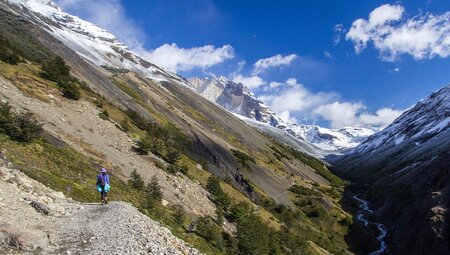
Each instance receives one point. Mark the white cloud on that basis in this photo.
(174, 58)
(286, 116)
(343, 114)
(328, 55)
(292, 100)
(274, 61)
(108, 14)
(275, 84)
(294, 97)
(339, 30)
(251, 82)
(422, 36)
(396, 70)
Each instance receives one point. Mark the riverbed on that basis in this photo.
(361, 216)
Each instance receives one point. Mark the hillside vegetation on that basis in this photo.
(268, 198)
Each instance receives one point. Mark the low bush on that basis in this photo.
(22, 127)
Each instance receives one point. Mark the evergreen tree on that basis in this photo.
(136, 181)
(56, 70)
(179, 214)
(153, 193)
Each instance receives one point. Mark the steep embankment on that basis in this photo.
(38, 219)
(407, 171)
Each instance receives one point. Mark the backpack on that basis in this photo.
(101, 180)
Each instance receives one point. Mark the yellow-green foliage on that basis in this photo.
(127, 89)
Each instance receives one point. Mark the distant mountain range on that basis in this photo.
(237, 98)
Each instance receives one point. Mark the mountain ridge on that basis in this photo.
(237, 98)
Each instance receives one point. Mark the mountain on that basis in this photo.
(102, 105)
(406, 167)
(237, 98)
(90, 41)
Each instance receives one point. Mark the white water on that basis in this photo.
(360, 216)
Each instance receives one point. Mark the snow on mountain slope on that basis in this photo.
(427, 119)
(284, 137)
(90, 41)
(237, 98)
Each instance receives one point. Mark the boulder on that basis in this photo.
(40, 207)
(25, 240)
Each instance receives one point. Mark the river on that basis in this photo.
(361, 216)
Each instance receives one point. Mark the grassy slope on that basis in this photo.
(60, 167)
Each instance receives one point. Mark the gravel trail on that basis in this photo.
(35, 219)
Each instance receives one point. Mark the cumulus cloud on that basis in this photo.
(111, 15)
(274, 61)
(251, 82)
(292, 100)
(423, 36)
(343, 114)
(294, 97)
(174, 58)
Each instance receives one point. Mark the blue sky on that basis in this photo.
(311, 61)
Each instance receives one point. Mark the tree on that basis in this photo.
(179, 214)
(207, 229)
(70, 90)
(136, 181)
(255, 237)
(172, 155)
(56, 69)
(6, 117)
(26, 127)
(219, 196)
(153, 193)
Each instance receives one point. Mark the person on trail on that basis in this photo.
(103, 185)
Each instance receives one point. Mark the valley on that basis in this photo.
(198, 165)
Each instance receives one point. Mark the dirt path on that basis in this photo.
(64, 226)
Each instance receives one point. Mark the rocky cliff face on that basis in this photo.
(407, 167)
(237, 98)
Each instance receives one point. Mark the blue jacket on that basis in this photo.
(100, 176)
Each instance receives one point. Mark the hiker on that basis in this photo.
(103, 185)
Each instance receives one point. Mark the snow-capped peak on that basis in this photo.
(427, 119)
(91, 42)
(237, 98)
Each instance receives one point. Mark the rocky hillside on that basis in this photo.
(407, 169)
(237, 98)
(37, 219)
(218, 176)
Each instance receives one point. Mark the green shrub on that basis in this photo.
(153, 193)
(125, 125)
(300, 190)
(178, 167)
(207, 229)
(8, 56)
(243, 158)
(220, 198)
(56, 69)
(22, 127)
(255, 237)
(136, 181)
(70, 90)
(179, 214)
